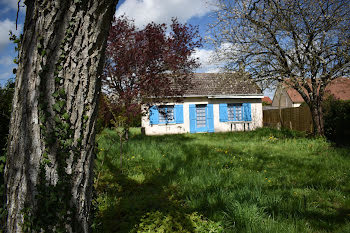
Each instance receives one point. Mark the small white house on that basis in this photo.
(214, 103)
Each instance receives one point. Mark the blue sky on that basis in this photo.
(8, 11)
(195, 12)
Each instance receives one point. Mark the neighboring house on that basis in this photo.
(286, 97)
(266, 100)
(214, 103)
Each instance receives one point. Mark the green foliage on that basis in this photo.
(336, 120)
(109, 111)
(261, 181)
(158, 222)
(6, 96)
(17, 41)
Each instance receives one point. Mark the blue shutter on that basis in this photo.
(192, 118)
(223, 112)
(247, 112)
(179, 114)
(210, 118)
(153, 115)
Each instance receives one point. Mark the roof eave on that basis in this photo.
(248, 96)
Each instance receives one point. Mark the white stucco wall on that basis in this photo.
(159, 129)
(296, 105)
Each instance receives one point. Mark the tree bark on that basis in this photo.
(317, 118)
(52, 134)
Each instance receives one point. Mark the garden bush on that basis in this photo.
(6, 95)
(336, 120)
(108, 110)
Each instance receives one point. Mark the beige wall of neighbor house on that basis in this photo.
(172, 128)
(282, 99)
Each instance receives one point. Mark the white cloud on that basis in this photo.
(6, 26)
(204, 56)
(213, 60)
(6, 67)
(207, 59)
(161, 11)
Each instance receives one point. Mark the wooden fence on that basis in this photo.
(291, 118)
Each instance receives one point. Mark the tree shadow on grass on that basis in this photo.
(127, 200)
(300, 207)
(328, 221)
(318, 219)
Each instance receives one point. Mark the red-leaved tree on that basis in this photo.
(146, 63)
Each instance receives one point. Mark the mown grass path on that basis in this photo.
(261, 181)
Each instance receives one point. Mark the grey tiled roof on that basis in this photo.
(230, 84)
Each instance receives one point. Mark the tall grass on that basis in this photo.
(261, 181)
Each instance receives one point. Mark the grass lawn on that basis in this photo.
(261, 181)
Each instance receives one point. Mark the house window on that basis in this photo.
(166, 114)
(234, 112)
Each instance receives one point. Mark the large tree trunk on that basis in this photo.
(317, 118)
(52, 133)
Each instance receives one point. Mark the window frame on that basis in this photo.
(232, 107)
(166, 118)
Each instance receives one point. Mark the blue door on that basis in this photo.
(201, 118)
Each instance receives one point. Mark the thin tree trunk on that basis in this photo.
(126, 133)
(121, 149)
(52, 133)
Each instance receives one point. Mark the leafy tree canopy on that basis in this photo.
(146, 62)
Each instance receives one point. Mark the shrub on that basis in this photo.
(336, 120)
(6, 95)
(107, 109)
